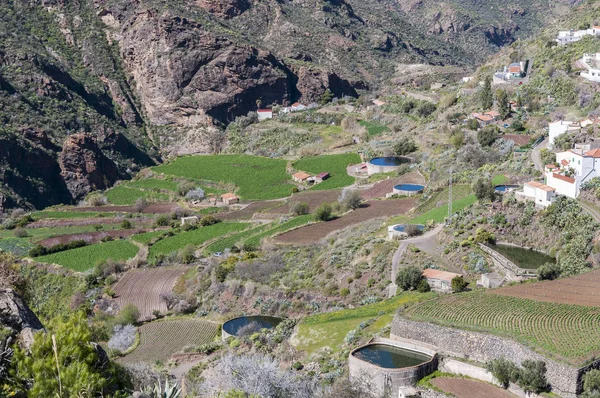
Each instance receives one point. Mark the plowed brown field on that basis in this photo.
(380, 189)
(143, 288)
(466, 388)
(248, 212)
(581, 290)
(373, 209)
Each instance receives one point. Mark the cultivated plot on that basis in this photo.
(467, 388)
(159, 340)
(316, 232)
(143, 287)
(581, 290)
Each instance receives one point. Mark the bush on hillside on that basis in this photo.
(43, 251)
(209, 220)
(532, 377)
(323, 212)
(128, 315)
(548, 272)
(409, 278)
(503, 370)
(300, 208)
(459, 284)
(487, 136)
(352, 200)
(404, 146)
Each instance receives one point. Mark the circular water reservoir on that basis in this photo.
(233, 326)
(505, 188)
(402, 227)
(408, 189)
(385, 164)
(390, 357)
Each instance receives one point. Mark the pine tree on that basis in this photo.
(503, 103)
(487, 97)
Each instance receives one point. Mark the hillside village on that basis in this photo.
(435, 235)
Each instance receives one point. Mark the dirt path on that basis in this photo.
(590, 210)
(467, 388)
(427, 242)
(536, 155)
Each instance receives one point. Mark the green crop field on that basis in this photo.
(330, 329)
(256, 178)
(154, 183)
(159, 340)
(16, 246)
(123, 195)
(429, 211)
(569, 331)
(37, 234)
(373, 128)
(84, 258)
(146, 237)
(195, 237)
(229, 241)
(335, 165)
(500, 179)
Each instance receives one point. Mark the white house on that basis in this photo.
(560, 127)
(264, 114)
(591, 63)
(576, 168)
(439, 281)
(541, 194)
(571, 36)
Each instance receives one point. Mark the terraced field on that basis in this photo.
(195, 237)
(257, 178)
(582, 289)
(380, 189)
(143, 288)
(84, 258)
(466, 388)
(159, 340)
(568, 331)
(374, 209)
(125, 195)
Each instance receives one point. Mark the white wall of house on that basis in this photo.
(265, 115)
(562, 187)
(556, 129)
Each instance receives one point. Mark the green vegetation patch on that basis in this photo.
(335, 165)
(147, 237)
(230, 241)
(48, 294)
(84, 258)
(123, 195)
(500, 179)
(195, 237)
(330, 329)
(569, 331)
(438, 214)
(277, 229)
(257, 178)
(62, 215)
(16, 246)
(374, 128)
(154, 183)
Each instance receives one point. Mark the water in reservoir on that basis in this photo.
(389, 161)
(263, 322)
(524, 258)
(390, 357)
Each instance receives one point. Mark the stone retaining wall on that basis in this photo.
(565, 380)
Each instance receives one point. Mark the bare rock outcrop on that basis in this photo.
(225, 8)
(17, 319)
(84, 167)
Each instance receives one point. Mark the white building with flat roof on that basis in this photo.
(572, 36)
(542, 195)
(575, 169)
(591, 63)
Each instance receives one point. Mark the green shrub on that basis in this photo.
(300, 208)
(409, 278)
(126, 224)
(344, 292)
(548, 272)
(459, 284)
(503, 370)
(423, 286)
(128, 315)
(208, 220)
(323, 212)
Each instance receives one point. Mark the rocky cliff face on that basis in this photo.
(84, 168)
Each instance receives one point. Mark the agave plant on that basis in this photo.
(168, 391)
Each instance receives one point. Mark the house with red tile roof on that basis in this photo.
(264, 114)
(576, 167)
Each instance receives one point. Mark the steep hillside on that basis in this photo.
(137, 80)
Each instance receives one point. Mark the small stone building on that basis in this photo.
(439, 281)
(300, 176)
(229, 198)
(189, 220)
(491, 280)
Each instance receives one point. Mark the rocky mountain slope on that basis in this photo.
(139, 79)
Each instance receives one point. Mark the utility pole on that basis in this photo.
(450, 195)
